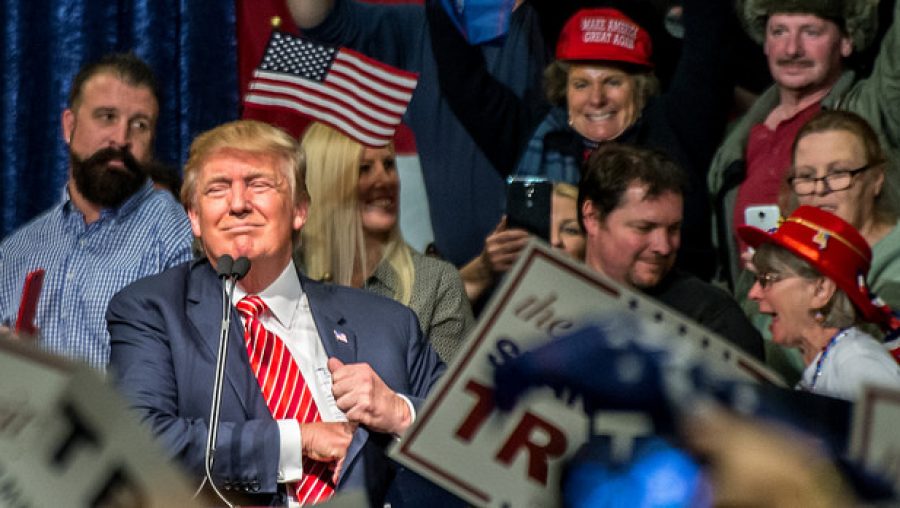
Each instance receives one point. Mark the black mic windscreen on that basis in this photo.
(225, 266)
(241, 267)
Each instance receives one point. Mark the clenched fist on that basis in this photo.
(366, 400)
(326, 441)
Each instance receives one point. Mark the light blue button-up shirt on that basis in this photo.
(86, 264)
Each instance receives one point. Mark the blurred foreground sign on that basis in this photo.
(875, 441)
(66, 439)
(490, 458)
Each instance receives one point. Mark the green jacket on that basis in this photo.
(438, 298)
(884, 274)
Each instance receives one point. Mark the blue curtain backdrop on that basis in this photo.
(189, 43)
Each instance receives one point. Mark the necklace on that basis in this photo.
(834, 340)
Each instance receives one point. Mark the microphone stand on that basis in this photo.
(227, 269)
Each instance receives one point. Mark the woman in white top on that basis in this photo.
(811, 279)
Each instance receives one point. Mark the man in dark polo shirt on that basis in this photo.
(630, 202)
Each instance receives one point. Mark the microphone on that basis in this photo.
(227, 269)
(240, 268)
(224, 266)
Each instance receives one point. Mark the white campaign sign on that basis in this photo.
(489, 458)
(67, 439)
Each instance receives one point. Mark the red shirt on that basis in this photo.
(768, 159)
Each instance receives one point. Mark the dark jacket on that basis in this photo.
(710, 306)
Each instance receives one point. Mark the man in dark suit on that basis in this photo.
(362, 358)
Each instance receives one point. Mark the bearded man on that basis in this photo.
(111, 227)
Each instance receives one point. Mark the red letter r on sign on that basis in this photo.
(538, 454)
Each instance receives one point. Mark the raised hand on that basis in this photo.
(502, 247)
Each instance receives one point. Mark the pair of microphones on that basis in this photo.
(228, 270)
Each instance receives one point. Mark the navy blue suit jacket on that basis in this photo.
(164, 334)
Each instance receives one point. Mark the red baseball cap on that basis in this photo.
(604, 34)
(832, 246)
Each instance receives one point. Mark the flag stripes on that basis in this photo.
(353, 93)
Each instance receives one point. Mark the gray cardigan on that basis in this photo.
(438, 299)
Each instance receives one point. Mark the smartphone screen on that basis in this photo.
(764, 217)
(31, 292)
(528, 202)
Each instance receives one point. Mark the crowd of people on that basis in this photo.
(346, 327)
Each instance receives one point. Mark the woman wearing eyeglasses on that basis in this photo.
(811, 280)
(839, 166)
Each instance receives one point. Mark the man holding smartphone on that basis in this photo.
(111, 227)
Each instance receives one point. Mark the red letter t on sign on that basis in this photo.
(479, 413)
(538, 454)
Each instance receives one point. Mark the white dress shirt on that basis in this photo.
(289, 317)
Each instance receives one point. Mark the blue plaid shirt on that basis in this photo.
(86, 264)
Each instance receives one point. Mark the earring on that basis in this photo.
(819, 317)
(571, 122)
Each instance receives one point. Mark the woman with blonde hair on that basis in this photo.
(839, 165)
(352, 236)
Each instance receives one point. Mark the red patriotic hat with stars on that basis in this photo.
(832, 246)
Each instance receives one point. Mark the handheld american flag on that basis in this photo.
(363, 98)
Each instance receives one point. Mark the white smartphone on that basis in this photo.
(764, 217)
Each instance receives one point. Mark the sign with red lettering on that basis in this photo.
(461, 442)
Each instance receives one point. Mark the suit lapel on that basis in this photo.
(339, 341)
(204, 311)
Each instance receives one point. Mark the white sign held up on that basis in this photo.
(461, 442)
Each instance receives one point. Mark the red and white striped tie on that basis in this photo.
(287, 395)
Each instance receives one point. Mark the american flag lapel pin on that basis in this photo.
(340, 336)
